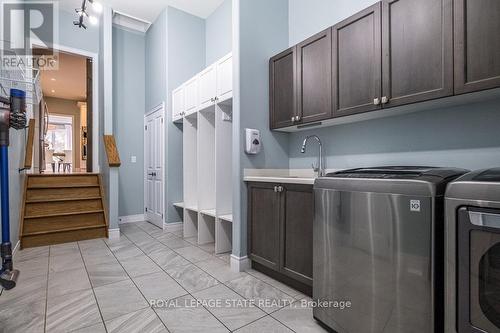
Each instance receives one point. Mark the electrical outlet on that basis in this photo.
(133, 159)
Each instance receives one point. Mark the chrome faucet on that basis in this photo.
(320, 167)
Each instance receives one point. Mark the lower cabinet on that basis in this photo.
(280, 229)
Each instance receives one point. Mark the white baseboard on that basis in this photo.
(131, 219)
(171, 227)
(114, 234)
(239, 264)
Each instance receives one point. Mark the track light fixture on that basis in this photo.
(83, 13)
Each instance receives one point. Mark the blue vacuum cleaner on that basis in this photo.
(12, 115)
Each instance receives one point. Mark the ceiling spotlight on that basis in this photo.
(52, 91)
(82, 13)
(53, 79)
(97, 6)
(93, 20)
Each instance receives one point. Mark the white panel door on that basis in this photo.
(207, 89)
(225, 78)
(154, 165)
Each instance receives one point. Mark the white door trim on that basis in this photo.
(159, 108)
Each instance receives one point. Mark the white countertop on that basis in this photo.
(284, 180)
(285, 176)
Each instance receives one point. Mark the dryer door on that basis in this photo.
(479, 270)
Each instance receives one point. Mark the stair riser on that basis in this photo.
(49, 208)
(63, 222)
(62, 237)
(62, 193)
(55, 181)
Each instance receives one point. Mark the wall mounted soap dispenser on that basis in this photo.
(252, 141)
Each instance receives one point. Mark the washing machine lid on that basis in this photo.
(400, 172)
(480, 185)
(405, 180)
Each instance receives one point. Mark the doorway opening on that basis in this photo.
(65, 118)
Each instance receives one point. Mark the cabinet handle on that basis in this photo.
(376, 101)
(385, 100)
(280, 189)
(275, 189)
(297, 118)
(293, 119)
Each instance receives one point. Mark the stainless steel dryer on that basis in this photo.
(473, 253)
(378, 247)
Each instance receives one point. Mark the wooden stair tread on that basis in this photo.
(63, 230)
(90, 174)
(56, 186)
(62, 199)
(65, 214)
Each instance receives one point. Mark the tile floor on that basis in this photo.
(148, 281)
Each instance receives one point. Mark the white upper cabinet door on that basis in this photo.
(225, 78)
(191, 96)
(178, 104)
(207, 84)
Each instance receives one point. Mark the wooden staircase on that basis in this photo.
(62, 208)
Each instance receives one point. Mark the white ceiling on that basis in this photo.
(148, 10)
(68, 81)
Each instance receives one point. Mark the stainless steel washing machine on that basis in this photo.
(473, 253)
(379, 247)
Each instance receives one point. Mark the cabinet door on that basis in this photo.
(477, 45)
(357, 63)
(417, 42)
(207, 88)
(191, 96)
(282, 89)
(264, 224)
(225, 78)
(297, 232)
(177, 103)
(314, 78)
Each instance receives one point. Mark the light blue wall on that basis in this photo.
(156, 62)
(72, 36)
(262, 29)
(186, 57)
(462, 136)
(219, 32)
(128, 116)
(308, 17)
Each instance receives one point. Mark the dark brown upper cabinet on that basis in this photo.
(477, 45)
(264, 224)
(282, 79)
(314, 78)
(417, 43)
(357, 63)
